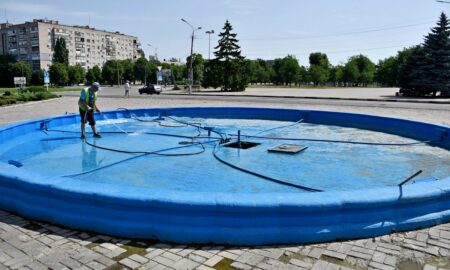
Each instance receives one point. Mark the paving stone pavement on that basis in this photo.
(28, 244)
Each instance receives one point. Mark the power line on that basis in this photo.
(358, 32)
(345, 51)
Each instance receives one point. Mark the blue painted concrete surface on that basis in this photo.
(229, 217)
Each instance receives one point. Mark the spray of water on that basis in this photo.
(117, 126)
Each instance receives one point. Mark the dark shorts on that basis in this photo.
(87, 117)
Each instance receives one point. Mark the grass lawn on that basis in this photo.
(10, 96)
(50, 89)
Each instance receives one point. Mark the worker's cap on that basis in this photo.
(96, 86)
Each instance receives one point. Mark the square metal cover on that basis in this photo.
(288, 148)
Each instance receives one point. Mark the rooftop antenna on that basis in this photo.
(89, 22)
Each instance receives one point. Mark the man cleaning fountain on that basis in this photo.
(87, 104)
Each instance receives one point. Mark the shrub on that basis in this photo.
(35, 89)
(7, 93)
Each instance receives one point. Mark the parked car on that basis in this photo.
(150, 89)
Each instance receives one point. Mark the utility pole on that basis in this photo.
(191, 72)
(209, 43)
(118, 80)
(21, 81)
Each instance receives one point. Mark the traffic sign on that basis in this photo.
(20, 80)
(46, 77)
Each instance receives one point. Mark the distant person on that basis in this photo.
(127, 89)
(87, 104)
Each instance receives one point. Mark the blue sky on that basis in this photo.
(266, 29)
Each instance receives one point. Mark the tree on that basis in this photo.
(228, 63)
(37, 78)
(76, 74)
(141, 69)
(318, 74)
(412, 75)
(319, 68)
(112, 72)
(97, 72)
(351, 73)
(430, 73)
(90, 77)
(61, 54)
(59, 74)
(128, 69)
(336, 75)
(359, 70)
(197, 67)
(20, 69)
(6, 79)
(289, 70)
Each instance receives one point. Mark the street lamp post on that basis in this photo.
(209, 43)
(156, 51)
(191, 72)
(118, 79)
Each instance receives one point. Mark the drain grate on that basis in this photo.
(242, 145)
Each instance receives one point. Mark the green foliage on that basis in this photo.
(9, 97)
(427, 70)
(59, 74)
(286, 70)
(97, 74)
(227, 70)
(359, 70)
(36, 89)
(112, 72)
(90, 77)
(37, 78)
(128, 70)
(19, 69)
(197, 67)
(319, 70)
(76, 74)
(289, 70)
(5, 74)
(61, 53)
(140, 69)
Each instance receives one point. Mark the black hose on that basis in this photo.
(197, 126)
(333, 141)
(282, 182)
(153, 152)
(128, 159)
(145, 133)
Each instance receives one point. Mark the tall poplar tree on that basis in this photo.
(61, 53)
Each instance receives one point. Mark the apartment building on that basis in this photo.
(35, 41)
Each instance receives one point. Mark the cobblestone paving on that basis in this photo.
(26, 244)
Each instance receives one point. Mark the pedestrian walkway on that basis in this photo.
(26, 244)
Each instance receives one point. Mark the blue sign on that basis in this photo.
(46, 77)
(159, 75)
